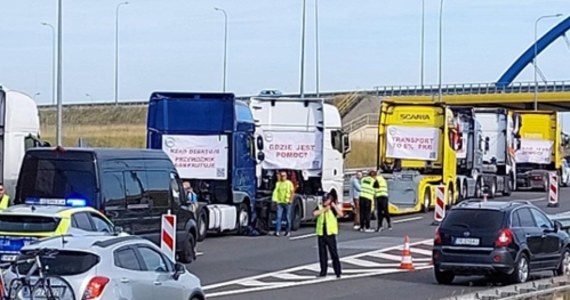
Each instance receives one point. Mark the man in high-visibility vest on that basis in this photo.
(4, 199)
(367, 194)
(326, 230)
(283, 196)
(381, 196)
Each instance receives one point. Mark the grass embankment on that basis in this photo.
(122, 127)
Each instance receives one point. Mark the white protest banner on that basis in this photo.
(418, 143)
(293, 150)
(198, 157)
(534, 151)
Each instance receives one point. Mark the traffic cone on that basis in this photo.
(406, 263)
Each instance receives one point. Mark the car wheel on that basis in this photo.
(522, 270)
(427, 200)
(202, 226)
(443, 277)
(564, 267)
(188, 253)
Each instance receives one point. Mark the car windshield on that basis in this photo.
(473, 219)
(65, 263)
(57, 178)
(19, 223)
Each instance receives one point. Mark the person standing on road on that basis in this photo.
(367, 194)
(381, 195)
(283, 197)
(4, 198)
(191, 197)
(355, 194)
(327, 229)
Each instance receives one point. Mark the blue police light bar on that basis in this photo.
(73, 202)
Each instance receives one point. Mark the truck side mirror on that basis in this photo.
(260, 156)
(259, 142)
(487, 144)
(346, 143)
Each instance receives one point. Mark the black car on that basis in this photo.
(503, 240)
(133, 187)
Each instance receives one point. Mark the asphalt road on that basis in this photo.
(268, 267)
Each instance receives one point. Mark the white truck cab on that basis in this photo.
(305, 138)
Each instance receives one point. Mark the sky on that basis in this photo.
(178, 45)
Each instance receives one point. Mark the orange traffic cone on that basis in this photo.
(406, 263)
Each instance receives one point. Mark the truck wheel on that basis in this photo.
(242, 218)
(450, 197)
(464, 190)
(427, 200)
(202, 225)
(493, 189)
(508, 186)
(296, 217)
(188, 254)
(479, 188)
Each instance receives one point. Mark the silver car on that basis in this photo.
(115, 268)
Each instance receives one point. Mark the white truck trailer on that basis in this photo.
(19, 131)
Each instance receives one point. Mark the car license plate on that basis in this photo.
(467, 241)
(57, 292)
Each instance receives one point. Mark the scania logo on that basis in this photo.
(411, 117)
(169, 142)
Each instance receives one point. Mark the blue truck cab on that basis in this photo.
(210, 138)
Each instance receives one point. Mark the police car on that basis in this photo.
(24, 223)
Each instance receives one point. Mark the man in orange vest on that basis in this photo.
(4, 199)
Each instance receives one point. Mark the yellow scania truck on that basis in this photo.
(417, 147)
(538, 134)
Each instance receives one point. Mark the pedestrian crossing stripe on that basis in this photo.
(371, 263)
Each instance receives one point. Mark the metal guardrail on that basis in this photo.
(530, 290)
(367, 119)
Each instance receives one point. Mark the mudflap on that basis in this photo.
(403, 190)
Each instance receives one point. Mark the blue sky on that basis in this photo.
(178, 44)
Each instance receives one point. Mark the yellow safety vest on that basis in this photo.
(383, 189)
(5, 202)
(367, 188)
(282, 191)
(331, 223)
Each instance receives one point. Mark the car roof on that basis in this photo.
(95, 243)
(492, 205)
(45, 210)
(108, 153)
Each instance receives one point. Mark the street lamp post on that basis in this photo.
(54, 71)
(59, 115)
(89, 96)
(117, 51)
(36, 95)
(535, 63)
(225, 46)
(422, 56)
(440, 49)
(317, 83)
(302, 76)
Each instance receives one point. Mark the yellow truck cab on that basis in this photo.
(22, 224)
(539, 150)
(417, 145)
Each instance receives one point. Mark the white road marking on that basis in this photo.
(407, 220)
(199, 253)
(386, 256)
(302, 236)
(537, 199)
(289, 279)
(421, 251)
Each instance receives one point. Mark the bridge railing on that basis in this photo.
(367, 119)
(471, 88)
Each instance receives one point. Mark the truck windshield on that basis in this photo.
(57, 178)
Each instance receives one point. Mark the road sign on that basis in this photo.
(168, 235)
(553, 190)
(439, 212)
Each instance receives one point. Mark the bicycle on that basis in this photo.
(44, 286)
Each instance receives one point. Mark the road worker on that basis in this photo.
(367, 194)
(327, 229)
(381, 197)
(4, 198)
